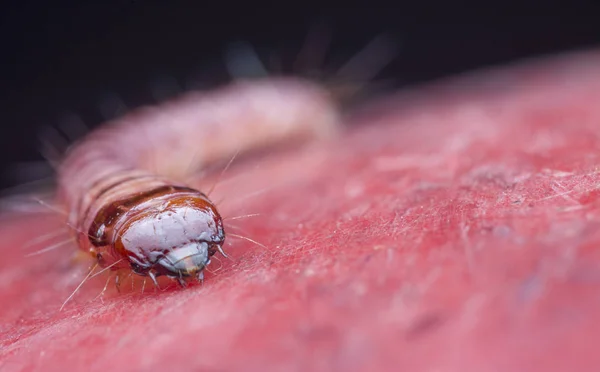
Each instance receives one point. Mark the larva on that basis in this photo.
(124, 184)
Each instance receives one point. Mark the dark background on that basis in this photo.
(80, 57)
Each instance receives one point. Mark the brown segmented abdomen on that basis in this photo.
(124, 185)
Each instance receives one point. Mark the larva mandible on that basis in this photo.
(123, 185)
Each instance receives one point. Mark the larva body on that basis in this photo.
(123, 184)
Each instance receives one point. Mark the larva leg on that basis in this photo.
(181, 282)
(118, 282)
(101, 294)
(153, 278)
(220, 249)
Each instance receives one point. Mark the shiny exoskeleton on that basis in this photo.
(168, 230)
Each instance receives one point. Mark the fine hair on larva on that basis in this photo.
(123, 187)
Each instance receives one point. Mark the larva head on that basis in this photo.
(175, 237)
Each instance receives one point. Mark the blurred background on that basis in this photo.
(70, 61)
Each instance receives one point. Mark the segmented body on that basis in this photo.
(124, 185)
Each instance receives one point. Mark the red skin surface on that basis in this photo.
(458, 231)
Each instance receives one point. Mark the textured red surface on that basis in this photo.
(458, 231)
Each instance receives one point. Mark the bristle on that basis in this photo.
(243, 62)
(111, 106)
